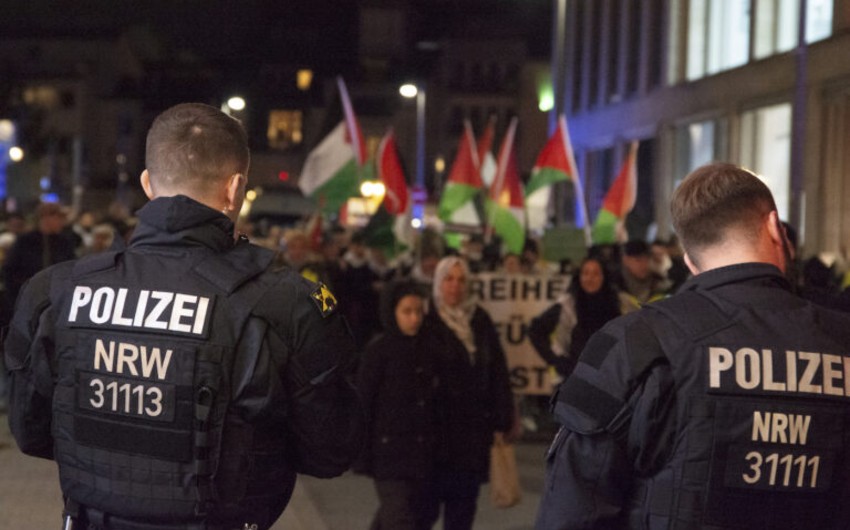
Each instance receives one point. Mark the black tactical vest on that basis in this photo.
(146, 341)
(763, 410)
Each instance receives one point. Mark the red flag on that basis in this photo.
(621, 197)
(506, 189)
(505, 204)
(464, 180)
(618, 202)
(314, 231)
(391, 174)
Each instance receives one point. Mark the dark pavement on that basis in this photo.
(30, 498)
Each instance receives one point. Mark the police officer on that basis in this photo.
(181, 383)
(724, 406)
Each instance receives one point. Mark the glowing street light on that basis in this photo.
(16, 154)
(236, 103)
(372, 188)
(408, 90)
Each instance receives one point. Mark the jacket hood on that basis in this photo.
(182, 219)
(390, 297)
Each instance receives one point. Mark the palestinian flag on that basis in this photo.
(391, 174)
(389, 227)
(464, 183)
(618, 202)
(505, 207)
(554, 164)
(331, 173)
(485, 152)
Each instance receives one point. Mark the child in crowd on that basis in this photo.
(397, 381)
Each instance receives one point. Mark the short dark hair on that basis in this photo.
(714, 198)
(636, 247)
(194, 145)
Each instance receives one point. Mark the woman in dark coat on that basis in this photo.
(560, 333)
(397, 383)
(474, 395)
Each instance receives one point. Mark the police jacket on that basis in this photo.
(181, 383)
(721, 407)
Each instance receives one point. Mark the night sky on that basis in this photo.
(228, 34)
(235, 35)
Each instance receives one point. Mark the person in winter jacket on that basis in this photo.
(397, 381)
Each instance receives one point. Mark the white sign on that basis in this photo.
(513, 300)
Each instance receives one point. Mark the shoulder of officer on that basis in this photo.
(291, 292)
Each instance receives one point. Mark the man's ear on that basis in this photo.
(235, 191)
(775, 228)
(691, 267)
(145, 179)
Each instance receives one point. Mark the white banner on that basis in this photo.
(512, 300)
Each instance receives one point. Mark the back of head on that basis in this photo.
(718, 201)
(192, 146)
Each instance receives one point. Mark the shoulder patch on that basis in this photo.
(324, 299)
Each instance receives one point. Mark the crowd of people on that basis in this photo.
(412, 387)
(432, 373)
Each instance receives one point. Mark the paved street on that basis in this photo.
(30, 498)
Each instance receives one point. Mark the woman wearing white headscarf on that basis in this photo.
(474, 394)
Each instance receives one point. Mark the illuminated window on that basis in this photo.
(46, 97)
(766, 149)
(777, 24)
(304, 78)
(719, 32)
(697, 144)
(718, 36)
(285, 128)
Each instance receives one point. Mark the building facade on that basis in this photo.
(765, 84)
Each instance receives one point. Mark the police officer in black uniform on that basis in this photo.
(181, 383)
(721, 407)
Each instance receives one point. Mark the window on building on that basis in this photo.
(599, 174)
(719, 31)
(612, 89)
(304, 79)
(455, 125)
(655, 43)
(777, 24)
(766, 149)
(576, 76)
(633, 26)
(597, 12)
(718, 36)
(697, 144)
(285, 128)
(818, 19)
(476, 77)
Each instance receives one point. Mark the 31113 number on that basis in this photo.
(126, 398)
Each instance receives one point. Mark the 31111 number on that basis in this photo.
(787, 470)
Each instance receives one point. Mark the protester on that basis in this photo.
(720, 407)
(475, 399)
(637, 279)
(560, 333)
(37, 249)
(358, 292)
(181, 383)
(397, 380)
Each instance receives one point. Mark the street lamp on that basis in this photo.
(236, 103)
(16, 154)
(410, 91)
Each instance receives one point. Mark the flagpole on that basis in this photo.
(582, 204)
